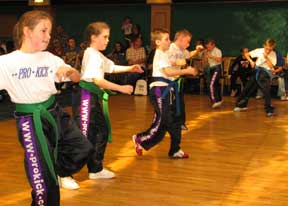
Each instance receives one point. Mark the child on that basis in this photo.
(93, 122)
(264, 72)
(240, 68)
(214, 72)
(178, 54)
(162, 92)
(45, 131)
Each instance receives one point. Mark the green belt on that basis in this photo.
(179, 81)
(40, 110)
(104, 96)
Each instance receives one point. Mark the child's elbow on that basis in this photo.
(75, 78)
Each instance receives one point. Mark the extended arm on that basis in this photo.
(103, 83)
(68, 72)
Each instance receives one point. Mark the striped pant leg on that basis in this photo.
(45, 191)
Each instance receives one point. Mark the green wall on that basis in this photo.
(75, 19)
(234, 25)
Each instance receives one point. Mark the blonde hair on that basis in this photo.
(157, 34)
(182, 33)
(94, 28)
(29, 19)
(270, 42)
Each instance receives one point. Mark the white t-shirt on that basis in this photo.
(216, 53)
(175, 53)
(95, 65)
(160, 61)
(29, 77)
(261, 61)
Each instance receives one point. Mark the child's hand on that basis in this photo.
(199, 48)
(63, 72)
(67, 72)
(191, 71)
(136, 68)
(180, 62)
(126, 89)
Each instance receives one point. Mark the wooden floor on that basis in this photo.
(237, 159)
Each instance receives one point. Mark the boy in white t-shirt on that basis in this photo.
(214, 72)
(165, 100)
(178, 55)
(264, 72)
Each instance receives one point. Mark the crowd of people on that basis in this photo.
(57, 145)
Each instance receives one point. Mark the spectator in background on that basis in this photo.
(61, 36)
(71, 56)
(83, 45)
(71, 53)
(282, 75)
(118, 55)
(126, 28)
(57, 49)
(136, 55)
(136, 31)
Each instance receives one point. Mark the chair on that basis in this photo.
(225, 78)
(198, 64)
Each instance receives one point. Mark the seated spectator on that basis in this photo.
(136, 55)
(118, 55)
(282, 74)
(240, 68)
(83, 46)
(71, 57)
(61, 35)
(71, 53)
(136, 31)
(56, 48)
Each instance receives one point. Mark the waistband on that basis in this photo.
(40, 110)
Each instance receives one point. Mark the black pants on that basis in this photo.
(213, 78)
(90, 118)
(73, 150)
(261, 80)
(242, 74)
(165, 120)
(182, 103)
